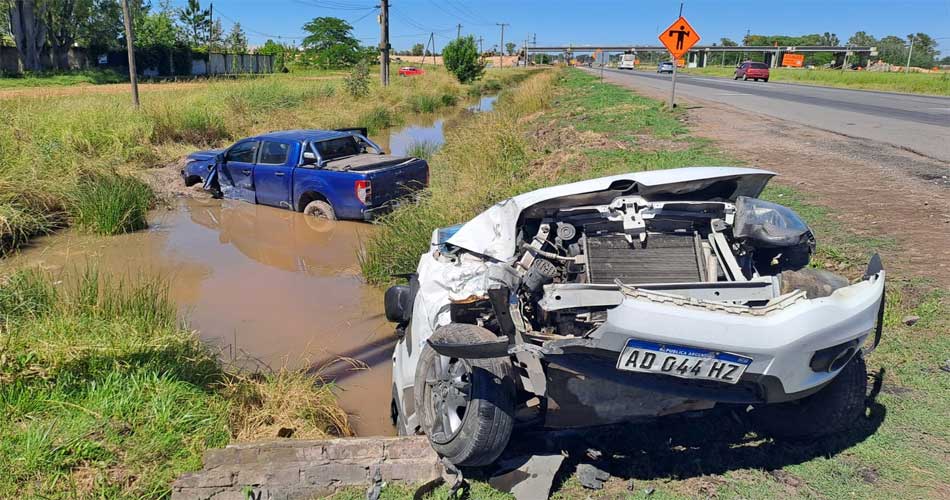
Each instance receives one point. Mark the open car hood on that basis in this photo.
(493, 233)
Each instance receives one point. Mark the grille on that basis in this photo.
(664, 258)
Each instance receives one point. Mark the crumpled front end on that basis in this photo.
(629, 297)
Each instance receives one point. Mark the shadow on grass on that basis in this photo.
(686, 446)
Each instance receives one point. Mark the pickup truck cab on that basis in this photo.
(336, 174)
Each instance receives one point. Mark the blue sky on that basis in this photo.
(605, 21)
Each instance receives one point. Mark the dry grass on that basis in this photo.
(286, 403)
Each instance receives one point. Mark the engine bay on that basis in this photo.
(577, 262)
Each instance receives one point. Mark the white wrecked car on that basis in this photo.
(626, 297)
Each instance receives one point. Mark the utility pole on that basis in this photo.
(480, 49)
(458, 31)
(384, 42)
(909, 52)
(130, 46)
(210, 25)
(426, 49)
(501, 47)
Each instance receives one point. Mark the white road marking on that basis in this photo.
(733, 94)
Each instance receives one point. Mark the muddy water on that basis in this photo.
(267, 286)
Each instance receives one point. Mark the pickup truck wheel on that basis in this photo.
(832, 410)
(319, 208)
(466, 406)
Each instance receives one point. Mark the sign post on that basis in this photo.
(678, 39)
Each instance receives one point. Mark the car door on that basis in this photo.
(238, 179)
(273, 173)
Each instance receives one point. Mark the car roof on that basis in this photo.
(303, 135)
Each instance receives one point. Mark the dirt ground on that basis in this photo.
(876, 190)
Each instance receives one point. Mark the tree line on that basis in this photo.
(891, 49)
(165, 37)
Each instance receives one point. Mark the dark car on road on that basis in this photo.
(665, 67)
(752, 71)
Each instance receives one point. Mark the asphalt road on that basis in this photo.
(915, 122)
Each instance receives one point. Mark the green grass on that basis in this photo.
(110, 204)
(899, 451)
(914, 83)
(423, 149)
(94, 77)
(106, 395)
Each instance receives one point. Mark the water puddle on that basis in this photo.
(267, 286)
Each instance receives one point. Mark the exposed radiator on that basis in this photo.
(663, 258)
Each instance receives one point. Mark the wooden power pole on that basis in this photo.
(458, 31)
(384, 42)
(501, 47)
(130, 46)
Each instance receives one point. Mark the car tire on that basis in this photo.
(766, 80)
(478, 435)
(736, 77)
(832, 410)
(319, 208)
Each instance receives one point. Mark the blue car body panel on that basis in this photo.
(292, 184)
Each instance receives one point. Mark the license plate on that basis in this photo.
(680, 361)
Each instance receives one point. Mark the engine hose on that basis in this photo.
(550, 255)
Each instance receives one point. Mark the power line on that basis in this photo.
(327, 4)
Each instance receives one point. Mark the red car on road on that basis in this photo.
(410, 71)
(752, 70)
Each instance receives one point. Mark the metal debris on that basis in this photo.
(528, 478)
(591, 477)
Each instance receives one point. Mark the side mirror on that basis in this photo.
(309, 158)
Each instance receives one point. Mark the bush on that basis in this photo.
(357, 81)
(110, 204)
(378, 118)
(424, 103)
(423, 149)
(460, 57)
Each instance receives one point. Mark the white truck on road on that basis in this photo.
(627, 61)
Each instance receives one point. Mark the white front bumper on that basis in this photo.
(781, 343)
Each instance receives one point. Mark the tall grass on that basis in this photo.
(464, 179)
(423, 149)
(106, 395)
(110, 204)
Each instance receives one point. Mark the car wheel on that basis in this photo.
(832, 410)
(319, 208)
(466, 406)
(735, 77)
(766, 80)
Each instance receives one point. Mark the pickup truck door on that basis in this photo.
(274, 172)
(237, 181)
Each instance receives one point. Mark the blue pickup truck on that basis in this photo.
(336, 174)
